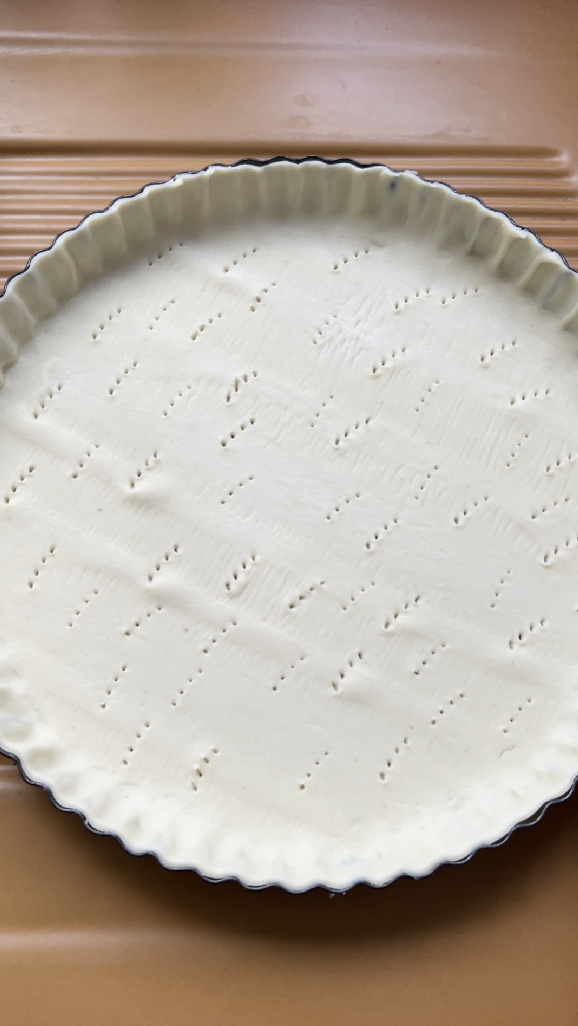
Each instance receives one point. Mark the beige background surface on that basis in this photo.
(95, 100)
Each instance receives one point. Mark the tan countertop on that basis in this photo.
(95, 100)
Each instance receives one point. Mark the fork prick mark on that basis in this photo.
(176, 399)
(159, 314)
(203, 326)
(148, 465)
(78, 612)
(307, 591)
(426, 394)
(357, 594)
(82, 461)
(48, 555)
(343, 675)
(163, 561)
(219, 637)
(380, 533)
(121, 376)
(43, 404)
(238, 383)
(16, 485)
(499, 588)
(111, 686)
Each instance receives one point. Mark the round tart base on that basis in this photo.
(289, 523)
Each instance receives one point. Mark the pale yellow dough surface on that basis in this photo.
(289, 525)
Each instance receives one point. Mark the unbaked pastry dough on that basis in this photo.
(289, 523)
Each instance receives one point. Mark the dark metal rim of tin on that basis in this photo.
(539, 814)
